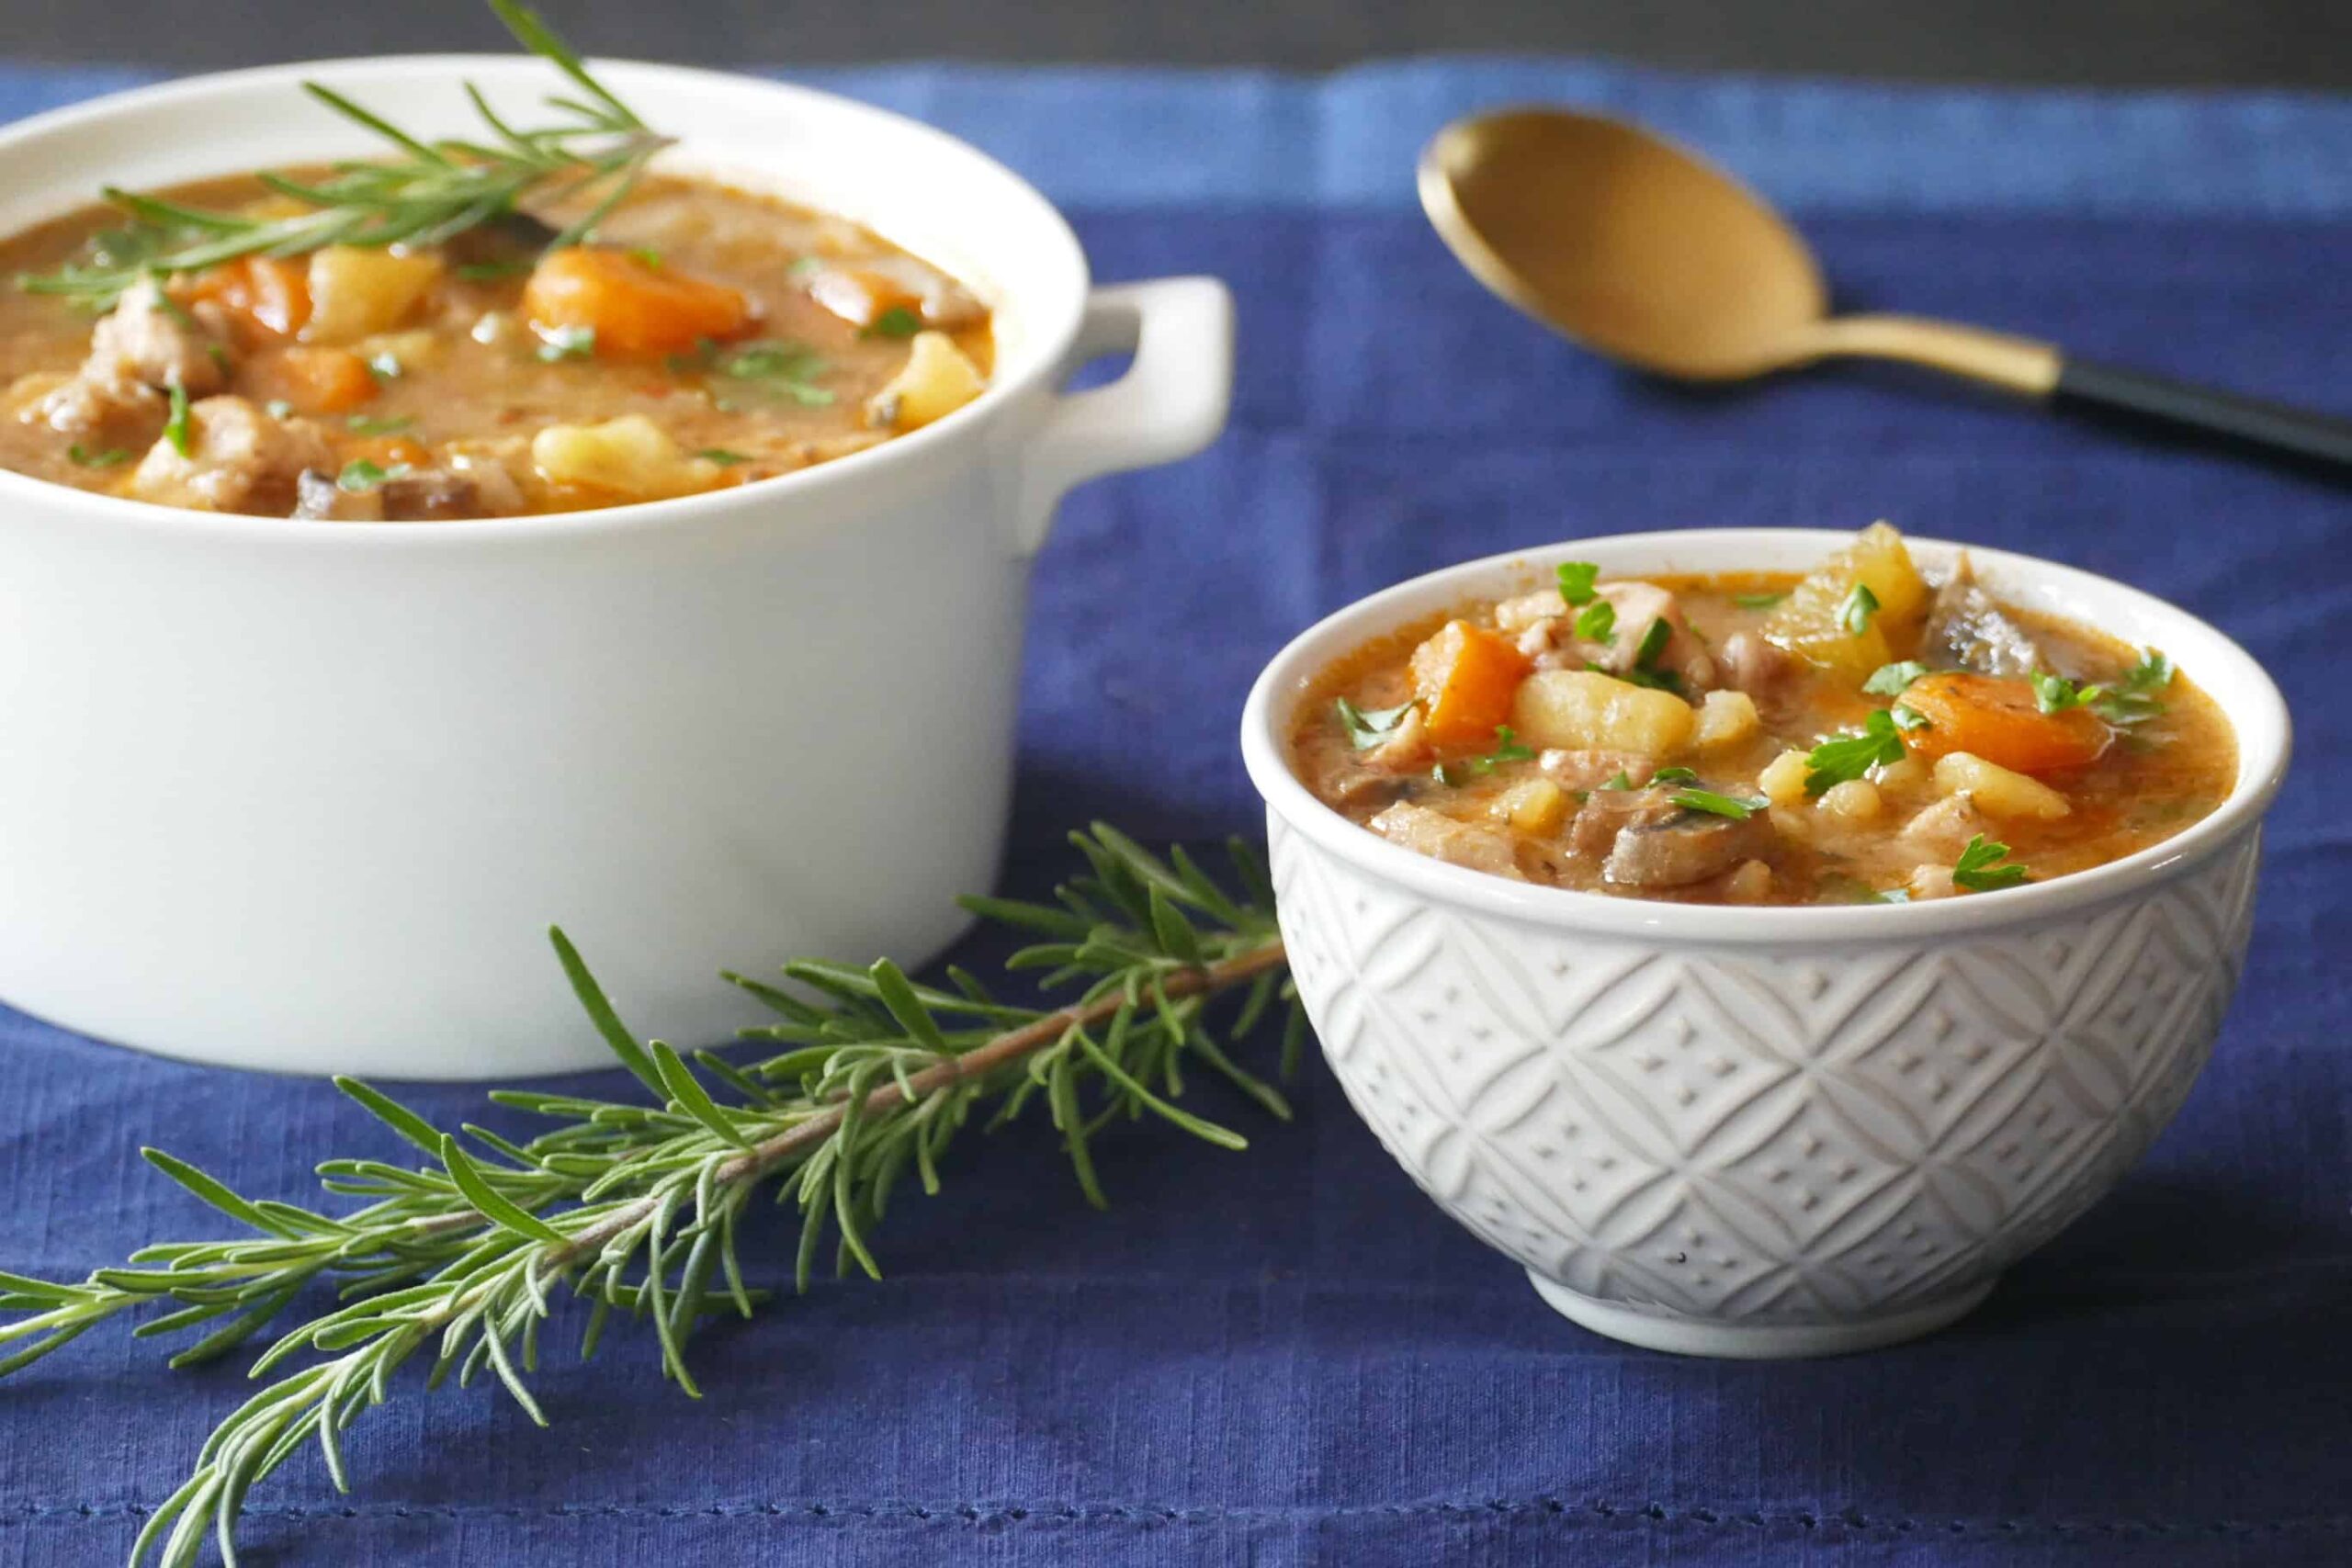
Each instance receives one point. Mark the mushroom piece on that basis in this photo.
(1646, 841)
(1968, 628)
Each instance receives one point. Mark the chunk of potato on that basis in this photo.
(1585, 710)
(1856, 800)
(1811, 622)
(357, 291)
(630, 457)
(1997, 791)
(1782, 779)
(1537, 807)
(936, 380)
(1725, 718)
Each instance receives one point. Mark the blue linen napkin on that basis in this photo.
(1287, 1356)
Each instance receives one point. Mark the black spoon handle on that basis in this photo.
(2104, 389)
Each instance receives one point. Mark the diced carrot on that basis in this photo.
(1999, 720)
(632, 307)
(315, 380)
(386, 450)
(1465, 677)
(269, 291)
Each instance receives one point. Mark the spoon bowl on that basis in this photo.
(1643, 251)
(1624, 241)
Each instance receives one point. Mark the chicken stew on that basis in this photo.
(533, 321)
(1857, 734)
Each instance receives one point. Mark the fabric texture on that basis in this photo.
(1288, 1356)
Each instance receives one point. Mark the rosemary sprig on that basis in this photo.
(423, 193)
(637, 1207)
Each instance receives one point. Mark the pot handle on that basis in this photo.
(1169, 404)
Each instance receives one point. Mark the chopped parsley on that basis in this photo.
(2133, 700)
(1855, 614)
(1894, 680)
(791, 369)
(725, 459)
(1759, 601)
(1844, 758)
(370, 425)
(1577, 578)
(1507, 748)
(567, 342)
(1707, 800)
(2130, 701)
(1369, 728)
(1623, 781)
(359, 475)
(1597, 622)
(647, 257)
(176, 427)
(1977, 869)
(1675, 776)
(896, 321)
(2055, 694)
(490, 271)
(1905, 717)
(106, 459)
(1646, 671)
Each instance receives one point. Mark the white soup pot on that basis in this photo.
(306, 795)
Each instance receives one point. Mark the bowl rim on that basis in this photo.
(1058, 320)
(1265, 754)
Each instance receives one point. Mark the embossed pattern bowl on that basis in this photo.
(1765, 1132)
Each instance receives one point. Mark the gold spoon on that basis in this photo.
(1644, 252)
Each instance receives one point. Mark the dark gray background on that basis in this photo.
(2290, 42)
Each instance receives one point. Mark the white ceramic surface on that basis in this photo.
(1765, 1132)
(307, 797)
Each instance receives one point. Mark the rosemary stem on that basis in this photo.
(762, 1158)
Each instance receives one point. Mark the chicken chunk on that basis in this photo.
(1636, 605)
(1748, 663)
(238, 459)
(1432, 833)
(1945, 828)
(145, 345)
(1588, 770)
(151, 338)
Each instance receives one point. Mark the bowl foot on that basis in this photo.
(1755, 1341)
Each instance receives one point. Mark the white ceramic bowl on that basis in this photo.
(307, 797)
(1765, 1132)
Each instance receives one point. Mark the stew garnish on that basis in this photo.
(1977, 869)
